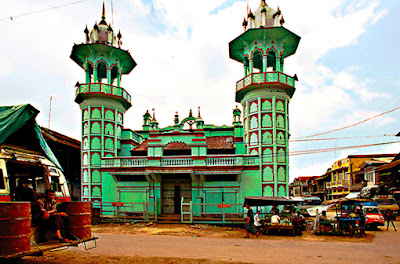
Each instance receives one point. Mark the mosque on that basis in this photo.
(189, 159)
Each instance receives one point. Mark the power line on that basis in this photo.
(40, 11)
(355, 124)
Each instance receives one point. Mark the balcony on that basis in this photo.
(180, 162)
(85, 89)
(272, 79)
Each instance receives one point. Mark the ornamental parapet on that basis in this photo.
(86, 89)
(264, 79)
(210, 161)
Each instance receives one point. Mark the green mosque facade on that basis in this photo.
(189, 159)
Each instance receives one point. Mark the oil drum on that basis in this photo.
(15, 227)
(79, 214)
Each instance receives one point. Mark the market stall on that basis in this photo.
(275, 220)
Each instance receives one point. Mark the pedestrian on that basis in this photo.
(250, 222)
(390, 217)
(257, 222)
(361, 214)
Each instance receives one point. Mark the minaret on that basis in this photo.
(264, 93)
(102, 100)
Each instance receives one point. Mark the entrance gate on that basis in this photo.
(174, 187)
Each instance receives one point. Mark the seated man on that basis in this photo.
(275, 219)
(324, 222)
(44, 213)
(24, 193)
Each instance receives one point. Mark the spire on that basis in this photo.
(103, 15)
(199, 116)
(190, 113)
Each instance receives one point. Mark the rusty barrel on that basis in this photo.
(15, 227)
(80, 215)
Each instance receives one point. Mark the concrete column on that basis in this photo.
(95, 75)
(264, 63)
(87, 76)
(278, 64)
(109, 76)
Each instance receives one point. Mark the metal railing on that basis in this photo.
(222, 213)
(126, 212)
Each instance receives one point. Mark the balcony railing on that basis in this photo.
(265, 78)
(179, 161)
(102, 88)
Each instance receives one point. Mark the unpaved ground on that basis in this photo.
(156, 243)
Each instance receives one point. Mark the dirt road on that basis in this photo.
(227, 247)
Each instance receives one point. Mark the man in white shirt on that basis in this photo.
(257, 222)
(275, 219)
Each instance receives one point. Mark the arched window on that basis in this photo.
(109, 130)
(267, 156)
(253, 122)
(96, 129)
(281, 174)
(281, 155)
(96, 113)
(101, 71)
(96, 176)
(109, 115)
(268, 191)
(109, 144)
(267, 138)
(280, 106)
(268, 174)
(257, 61)
(280, 121)
(281, 191)
(266, 121)
(95, 144)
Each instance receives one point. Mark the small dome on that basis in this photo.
(103, 32)
(265, 16)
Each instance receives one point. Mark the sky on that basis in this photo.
(347, 64)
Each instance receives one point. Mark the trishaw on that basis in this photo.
(287, 223)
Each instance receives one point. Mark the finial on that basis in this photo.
(190, 113)
(119, 34)
(86, 31)
(282, 21)
(199, 116)
(103, 15)
(154, 114)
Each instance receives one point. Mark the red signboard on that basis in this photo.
(224, 206)
(117, 204)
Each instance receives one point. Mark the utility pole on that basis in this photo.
(51, 98)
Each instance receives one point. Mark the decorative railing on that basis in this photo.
(102, 88)
(222, 161)
(180, 161)
(177, 162)
(265, 78)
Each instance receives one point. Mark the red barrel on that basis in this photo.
(79, 219)
(15, 227)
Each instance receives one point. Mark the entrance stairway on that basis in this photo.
(169, 219)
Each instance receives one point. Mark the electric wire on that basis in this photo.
(40, 11)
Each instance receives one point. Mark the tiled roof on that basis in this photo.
(219, 142)
(176, 146)
(141, 147)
